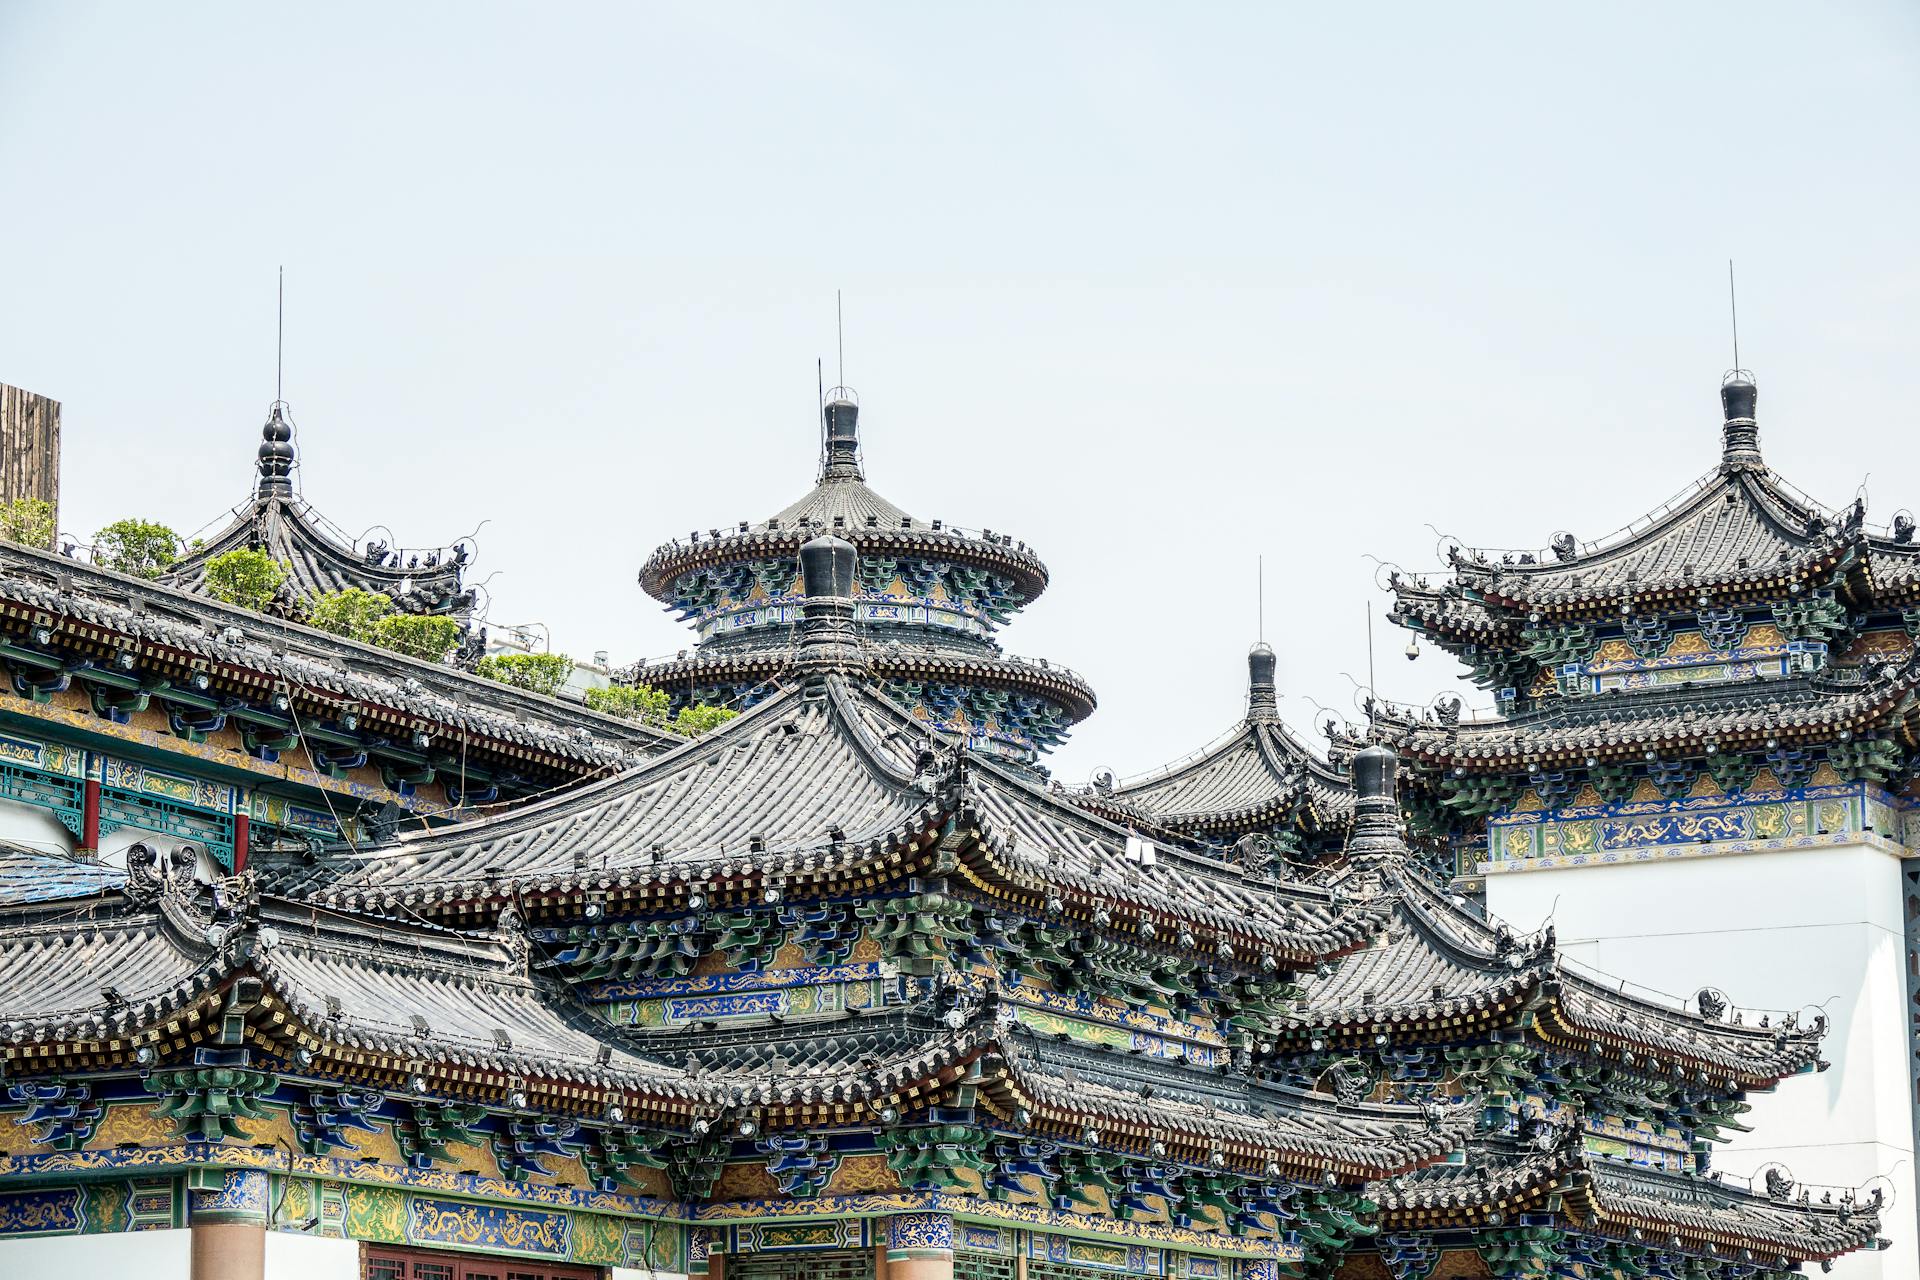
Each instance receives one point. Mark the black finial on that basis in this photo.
(828, 567)
(829, 577)
(840, 458)
(1376, 810)
(1739, 432)
(1263, 701)
(276, 455)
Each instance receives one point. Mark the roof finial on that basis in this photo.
(1376, 808)
(1263, 702)
(1739, 433)
(840, 411)
(829, 577)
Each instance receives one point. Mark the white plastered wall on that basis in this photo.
(1789, 929)
(147, 1255)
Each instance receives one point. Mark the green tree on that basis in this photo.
(537, 672)
(143, 548)
(27, 521)
(630, 702)
(246, 577)
(429, 638)
(349, 612)
(699, 718)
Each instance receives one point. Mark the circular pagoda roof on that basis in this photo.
(842, 503)
(1039, 679)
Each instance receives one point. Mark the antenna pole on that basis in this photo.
(1260, 578)
(1372, 691)
(1733, 307)
(280, 337)
(840, 335)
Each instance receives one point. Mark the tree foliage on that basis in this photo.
(28, 521)
(631, 702)
(349, 612)
(245, 577)
(536, 672)
(429, 638)
(143, 548)
(699, 718)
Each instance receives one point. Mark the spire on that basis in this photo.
(1376, 810)
(1739, 434)
(829, 575)
(1263, 701)
(840, 456)
(276, 456)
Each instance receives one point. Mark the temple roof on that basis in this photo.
(823, 782)
(458, 1012)
(1255, 774)
(319, 557)
(90, 607)
(1440, 964)
(841, 502)
(1608, 727)
(1703, 1214)
(1740, 531)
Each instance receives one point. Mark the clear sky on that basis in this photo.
(1158, 289)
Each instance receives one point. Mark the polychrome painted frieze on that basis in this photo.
(1647, 830)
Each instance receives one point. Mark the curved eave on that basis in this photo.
(1581, 1014)
(104, 614)
(1711, 1219)
(1501, 747)
(669, 562)
(1283, 776)
(317, 563)
(1055, 684)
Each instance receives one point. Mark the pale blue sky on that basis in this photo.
(1155, 288)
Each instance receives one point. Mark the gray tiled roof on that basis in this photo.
(1612, 724)
(37, 875)
(806, 771)
(317, 562)
(1359, 1139)
(1438, 960)
(302, 657)
(1255, 772)
(1728, 527)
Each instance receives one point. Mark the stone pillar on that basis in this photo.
(227, 1212)
(920, 1246)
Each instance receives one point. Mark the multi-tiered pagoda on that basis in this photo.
(836, 991)
(932, 599)
(318, 556)
(1708, 727)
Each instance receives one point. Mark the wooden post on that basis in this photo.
(90, 817)
(239, 843)
(30, 448)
